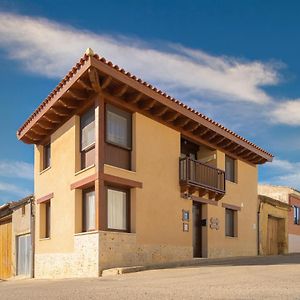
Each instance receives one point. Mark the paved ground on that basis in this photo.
(251, 278)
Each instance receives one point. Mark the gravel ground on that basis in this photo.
(275, 277)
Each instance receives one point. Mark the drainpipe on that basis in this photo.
(32, 233)
(258, 226)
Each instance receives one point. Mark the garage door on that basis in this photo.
(273, 235)
(24, 255)
(5, 249)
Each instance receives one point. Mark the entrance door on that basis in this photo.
(5, 249)
(24, 255)
(272, 236)
(197, 230)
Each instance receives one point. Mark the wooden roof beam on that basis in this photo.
(120, 91)
(135, 99)
(191, 126)
(77, 94)
(53, 118)
(45, 124)
(68, 103)
(181, 122)
(147, 104)
(60, 111)
(106, 82)
(159, 110)
(34, 136)
(94, 79)
(170, 116)
(84, 85)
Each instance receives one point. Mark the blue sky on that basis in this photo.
(236, 61)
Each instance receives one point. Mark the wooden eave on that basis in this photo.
(93, 75)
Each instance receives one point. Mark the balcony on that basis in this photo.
(199, 177)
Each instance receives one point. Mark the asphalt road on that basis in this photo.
(255, 278)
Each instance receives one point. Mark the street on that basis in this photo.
(275, 277)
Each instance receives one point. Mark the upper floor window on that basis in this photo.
(296, 215)
(230, 169)
(87, 138)
(46, 156)
(118, 137)
(45, 219)
(88, 210)
(118, 127)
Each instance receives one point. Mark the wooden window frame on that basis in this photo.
(84, 192)
(45, 163)
(89, 147)
(234, 169)
(234, 223)
(128, 207)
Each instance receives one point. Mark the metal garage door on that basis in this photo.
(24, 255)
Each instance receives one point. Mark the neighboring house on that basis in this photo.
(272, 226)
(16, 242)
(292, 197)
(126, 175)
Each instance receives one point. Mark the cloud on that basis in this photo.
(284, 172)
(16, 169)
(50, 49)
(13, 189)
(287, 113)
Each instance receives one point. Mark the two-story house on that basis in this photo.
(127, 175)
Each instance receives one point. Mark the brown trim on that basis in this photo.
(199, 199)
(45, 198)
(83, 199)
(231, 206)
(128, 183)
(84, 183)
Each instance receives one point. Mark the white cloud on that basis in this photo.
(287, 113)
(284, 172)
(13, 189)
(50, 48)
(16, 169)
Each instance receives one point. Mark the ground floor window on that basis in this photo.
(88, 210)
(118, 209)
(45, 219)
(230, 222)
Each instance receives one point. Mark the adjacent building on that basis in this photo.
(16, 238)
(291, 197)
(127, 175)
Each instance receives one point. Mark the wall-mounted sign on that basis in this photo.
(214, 223)
(185, 227)
(185, 215)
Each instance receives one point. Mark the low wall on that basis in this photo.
(83, 262)
(122, 250)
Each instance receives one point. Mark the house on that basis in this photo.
(291, 197)
(127, 175)
(272, 226)
(16, 238)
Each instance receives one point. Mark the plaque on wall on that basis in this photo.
(185, 227)
(214, 223)
(185, 215)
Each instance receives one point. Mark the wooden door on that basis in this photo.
(197, 230)
(24, 255)
(5, 250)
(272, 236)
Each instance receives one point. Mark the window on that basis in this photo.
(118, 127)
(88, 210)
(117, 209)
(87, 138)
(23, 210)
(45, 219)
(230, 222)
(230, 169)
(296, 215)
(46, 156)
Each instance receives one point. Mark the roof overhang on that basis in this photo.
(92, 75)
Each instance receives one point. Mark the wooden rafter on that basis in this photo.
(106, 82)
(181, 122)
(212, 136)
(120, 91)
(135, 98)
(60, 111)
(39, 130)
(34, 135)
(94, 79)
(159, 110)
(45, 124)
(53, 118)
(77, 94)
(191, 126)
(69, 103)
(85, 85)
(147, 104)
(201, 130)
(171, 116)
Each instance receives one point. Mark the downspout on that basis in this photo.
(258, 227)
(32, 232)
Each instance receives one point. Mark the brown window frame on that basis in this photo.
(90, 148)
(46, 156)
(234, 230)
(47, 219)
(84, 192)
(128, 207)
(227, 177)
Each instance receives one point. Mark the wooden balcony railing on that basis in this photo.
(196, 174)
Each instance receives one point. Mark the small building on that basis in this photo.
(126, 175)
(16, 238)
(272, 226)
(291, 197)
